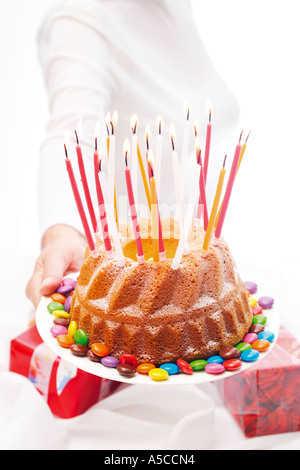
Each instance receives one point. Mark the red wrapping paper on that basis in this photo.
(265, 399)
(68, 391)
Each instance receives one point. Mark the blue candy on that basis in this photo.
(215, 360)
(268, 335)
(170, 368)
(250, 355)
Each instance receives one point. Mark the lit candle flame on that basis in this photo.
(209, 108)
(126, 150)
(172, 135)
(196, 128)
(66, 141)
(186, 109)
(97, 133)
(133, 123)
(150, 160)
(159, 123)
(148, 135)
(198, 148)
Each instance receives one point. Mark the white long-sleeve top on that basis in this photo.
(137, 57)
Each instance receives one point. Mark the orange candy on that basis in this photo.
(100, 349)
(58, 298)
(65, 341)
(145, 368)
(261, 345)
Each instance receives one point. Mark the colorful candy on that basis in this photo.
(61, 314)
(78, 350)
(59, 298)
(158, 374)
(252, 301)
(126, 370)
(250, 355)
(215, 360)
(67, 304)
(251, 286)
(129, 359)
(260, 319)
(62, 321)
(184, 367)
(256, 310)
(198, 364)
(110, 361)
(243, 347)
(250, 338)
(170, 367)
(215, 368)
(257, 328)
(72, 328)
(57, 330)
(232, 364)
(92, 356)
(68, 281)
(64, 290)
(53, 306)
(100, 349)
(230, 353)
(65, 341)
(268, 335)
(266, 302)
(81, 337)
(261, 345)
(145, 368)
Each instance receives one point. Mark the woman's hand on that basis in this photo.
(62, 252)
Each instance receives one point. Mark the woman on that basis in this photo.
(138, 57)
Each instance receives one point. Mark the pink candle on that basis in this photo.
(202, 197)
(80, 208)
(228, 191)
(207, 147)
(133, 212)
(85, 185)
(101, 204)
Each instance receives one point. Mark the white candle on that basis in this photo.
(134, 163)
(177, 182)
(158, 155)
(185, 148)
(194, 195)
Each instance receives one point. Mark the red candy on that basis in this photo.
(129, 360)
(256, 310)
(232, 364)
(184, 367)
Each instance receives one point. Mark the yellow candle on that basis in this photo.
(154, 221)
(144, 177)
(214, 211)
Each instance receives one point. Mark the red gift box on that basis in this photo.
(265, 399)
(68, 391)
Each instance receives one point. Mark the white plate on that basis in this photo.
(44, 321)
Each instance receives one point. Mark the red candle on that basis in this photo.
(202, 197)
(101, 204)
(228, 191)
(132, 207)
(80, 208)
(207, 146)
(85, 185)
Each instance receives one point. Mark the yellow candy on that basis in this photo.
(72, 328)
(252, 301)
(158, 374)
(61, 314)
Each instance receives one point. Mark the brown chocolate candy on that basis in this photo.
(256, 328)
(126, 370)
(62, 321)
(230, 353)
(78, 350)
(93, 357)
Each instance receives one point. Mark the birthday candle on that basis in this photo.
(158, 155)
(194, 194)
(207, 145)
(202, 198)
(85, 185)
(177, 181)
(185, 147)
(134, 165)
(154, 213)
(214, 211)
(228, 191)
(101, 205)
(132, 207)
(86, 228)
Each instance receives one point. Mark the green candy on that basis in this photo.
(54, 306)
(199, 364)
(259, 320)
(243, 347)
(81, 337)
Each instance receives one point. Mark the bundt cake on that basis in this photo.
(156, 313)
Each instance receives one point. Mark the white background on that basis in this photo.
(255, 46)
